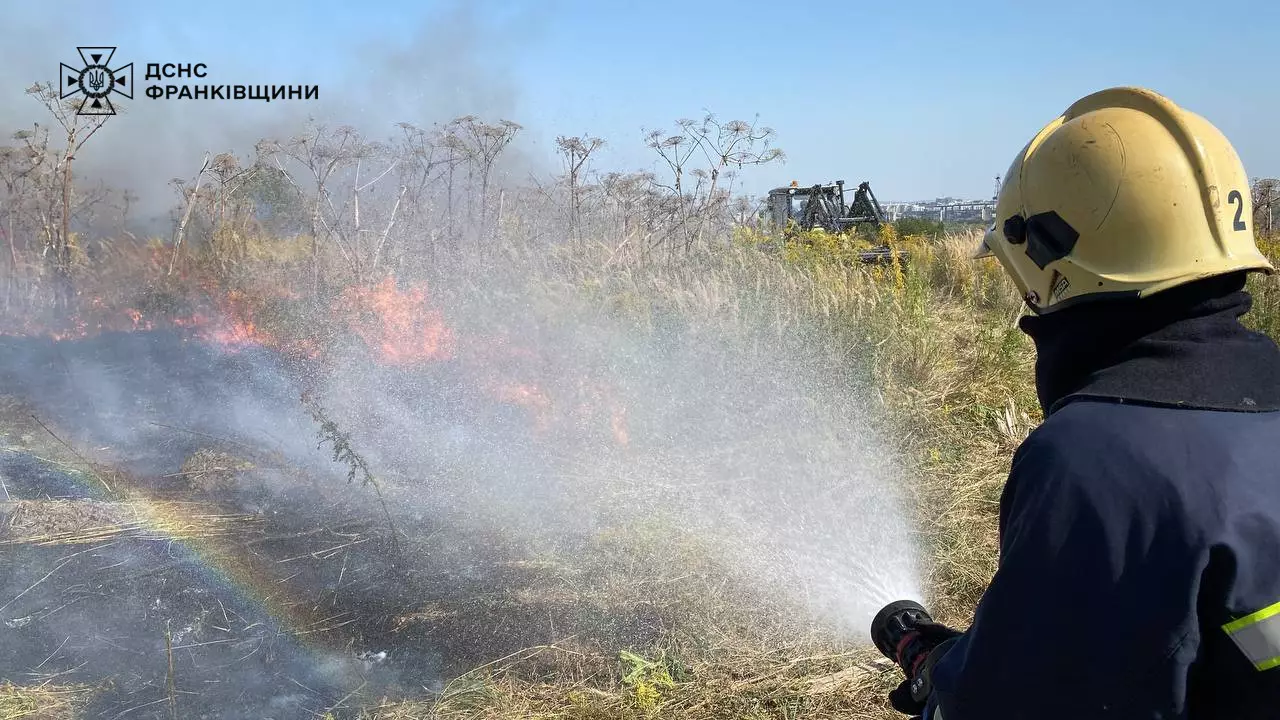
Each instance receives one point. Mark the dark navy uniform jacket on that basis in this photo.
(1139, 572)
(1130, 536)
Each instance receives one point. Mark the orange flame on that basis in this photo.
(237, 329)
(400, 325)
(529, 397)
(618, 424)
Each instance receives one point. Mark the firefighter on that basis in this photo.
(1139, 568)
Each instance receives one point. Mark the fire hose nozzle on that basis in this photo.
(893, 623)
(904, 632)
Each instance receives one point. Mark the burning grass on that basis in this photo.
(641, 623)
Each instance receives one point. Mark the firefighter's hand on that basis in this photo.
(935, 633)
(901, 700)
(912, 695)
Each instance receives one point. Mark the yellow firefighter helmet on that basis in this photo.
(1126, 194)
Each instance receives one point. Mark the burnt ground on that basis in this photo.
(99, 612)
(306, 604)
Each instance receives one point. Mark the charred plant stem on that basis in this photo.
(344, 453)
(87, 464)
(203, 435)
(168, 650)
(348, 696)
(186, 216)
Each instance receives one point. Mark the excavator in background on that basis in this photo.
(796, 209)
(823, 206)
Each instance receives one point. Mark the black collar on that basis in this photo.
(1184, 347)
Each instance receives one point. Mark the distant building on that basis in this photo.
(945, 209)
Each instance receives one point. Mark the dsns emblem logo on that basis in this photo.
(96, 81)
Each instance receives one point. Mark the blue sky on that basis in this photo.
(921, 98)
